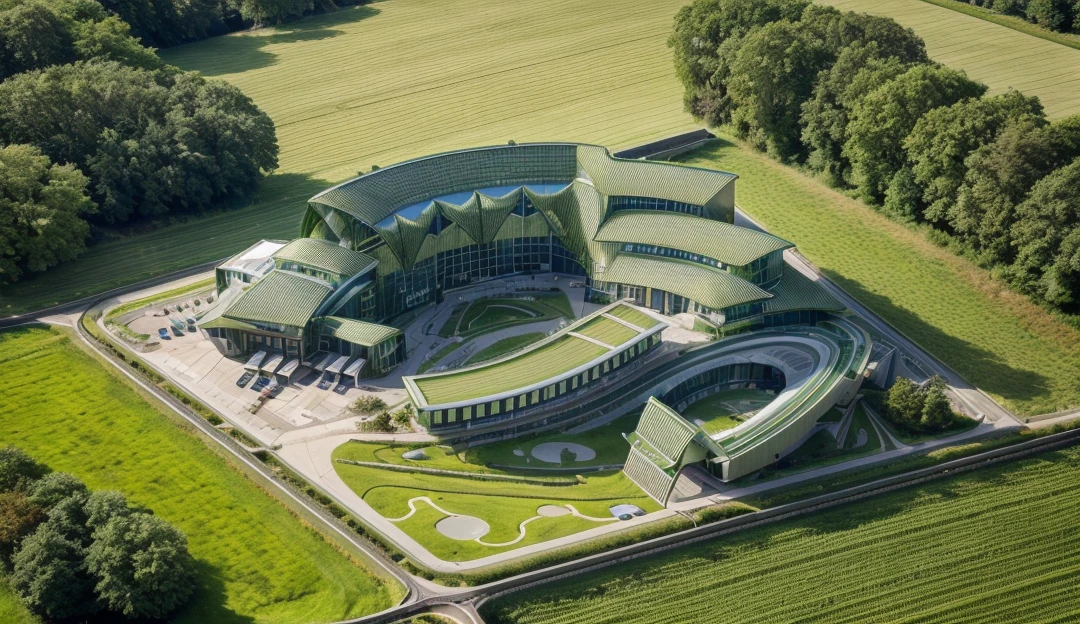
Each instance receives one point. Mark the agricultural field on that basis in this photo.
(1000, 57)
(255, 560)
(999, 544)
(996, 339)
(417, 501)
(397, 79)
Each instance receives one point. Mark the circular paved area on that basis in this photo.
(462, 527)
(552, 511)
(551, 452)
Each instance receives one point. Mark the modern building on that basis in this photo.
(396, 239)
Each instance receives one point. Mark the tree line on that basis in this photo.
(71, 552)
(96, 132)
(1058, 15)
(855, 100)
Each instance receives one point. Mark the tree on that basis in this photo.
(42, 206)
(1052, 14)
(49, 574)
(403, 416)
(18, 518)
(141, 566)
(904, 403)
(883, 119)
(383, 422)
(33, 36)
(942, 139)
(937, 413)
(1047, 239)
(704, 42)
(18, 471)
(53, 488)
(110, 39)
(272, 11)
(859, 69)
(102, 506)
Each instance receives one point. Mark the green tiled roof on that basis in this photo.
(359, 332)
(795, 291)
(711, 287)
(325, 255)
(282, 297)
(665, 432)
(721, 241)
(644, 178)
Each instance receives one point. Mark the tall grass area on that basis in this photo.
(256, 562)
(921, 554)
(996, 339)
(398, 79)
(997, 55)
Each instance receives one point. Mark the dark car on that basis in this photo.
(176, 330)
(163, 334)
(626, 517)
(244, 379)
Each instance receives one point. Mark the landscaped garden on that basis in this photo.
(726, 409)
(488, 314)
(254, 559)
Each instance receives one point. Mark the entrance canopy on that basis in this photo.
(354, 369)
(289, 368)
(321, 365)
(339, 364)
(254, 361)
(271, 363)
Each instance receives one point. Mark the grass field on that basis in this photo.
(1010, 21)
(721, 411)
(997, 55)
(12, 610)
(503, 505)
(997, 545)
(256, 562)
(995, 338)
(545, 362)
(504, 346)
(398, 79)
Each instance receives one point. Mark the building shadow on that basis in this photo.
(978, 366)
(241, 52)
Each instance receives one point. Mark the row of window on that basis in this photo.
(652, 203)
(506, 407)
(733, 373)
(669, 252)
(764, 271)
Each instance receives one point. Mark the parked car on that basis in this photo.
(191, 328)
(163, 334)
(176, 330)
(244, 379)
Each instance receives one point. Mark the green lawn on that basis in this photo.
(398, 79)
(863, 562)
(821, 448)
(12, 610)
(503, 505)
(256, 561)
(999, 56)
(634, 317)
(994, 338)
(491, 313)
(606, 331)
(722, 410)
(561, 355)
(504, 346)
(606, 440)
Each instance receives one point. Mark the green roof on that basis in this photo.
(634, 317)
(325, 255)
(663, 433)
(359, 332)
(282, 298)
(795, 291)
(647, 178)
(718, 240)
(709, 286)
(606, 331)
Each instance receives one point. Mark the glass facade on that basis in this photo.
(765, 271)
(668, 252)
(714, 380)
(621, 202)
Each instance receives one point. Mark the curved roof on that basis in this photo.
(795, 291)
(325, 255)
(282, 298)
(711, 287)
(718, 240)
(375, 196)
(359, 332)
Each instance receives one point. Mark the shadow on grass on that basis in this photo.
(975, 364)
(275, 214)
(241, 52)
(208, 604)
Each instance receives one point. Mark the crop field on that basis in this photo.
(998, 56)
(398, 79)
(997, 545)
(503, 505)
(255, 560)
(995, 338)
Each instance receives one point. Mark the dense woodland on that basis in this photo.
(1059, 15)
(69, 553)
(855, 100)
(96, 132)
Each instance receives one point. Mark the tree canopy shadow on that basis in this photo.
(245, 51)
(977, 365)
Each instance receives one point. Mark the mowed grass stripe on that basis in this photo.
(633, 317)
(606, 331)
(1001, 57)
(255, 560)
(399, 79)
(859, 563)
(997, 339)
